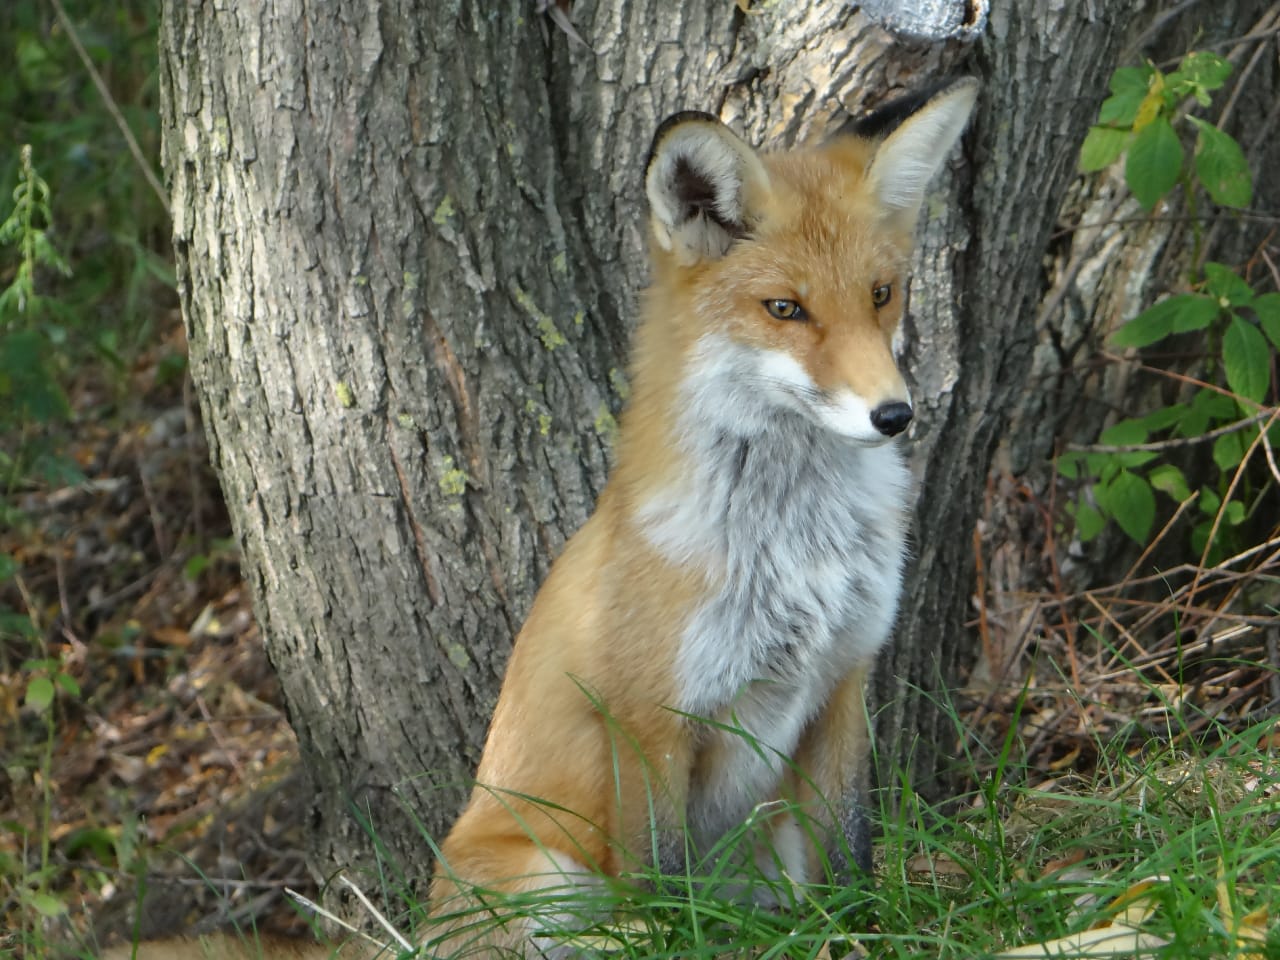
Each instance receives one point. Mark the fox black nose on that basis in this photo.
(891, 418)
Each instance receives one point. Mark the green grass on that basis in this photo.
(1017, 860)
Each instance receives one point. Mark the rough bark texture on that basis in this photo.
(409, 243)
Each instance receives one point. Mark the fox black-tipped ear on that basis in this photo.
(916, 133)
(704, 186)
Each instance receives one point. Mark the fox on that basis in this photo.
(700, 649)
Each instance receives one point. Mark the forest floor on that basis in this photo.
(165, 773)
(162, 790)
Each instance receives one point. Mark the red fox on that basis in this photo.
(701, 646)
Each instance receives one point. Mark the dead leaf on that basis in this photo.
(1119, 936)
(171, 636)
(1057, 866)
(1250, 931)
(940, 866)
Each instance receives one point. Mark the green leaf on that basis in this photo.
(1178, 314)
(1247, 360)
(1209, 502)
(1124, 433)
(1267, 307)
(1219, 406)
(1205, 69)
(1198, 74)
(1229, 450)
(1200, 536)
(1102, 147)
(96, 840)
(1121, 110)
(67, 684)
(1129, 87)
(1169, 479)
(46, 904)
(195, 566)
(40, 693)
(1069, 465)
(1154, 162)
(17, 624)
(8, 566)
(1089, 522)
(1223, 283)
(1136, 458)
(1127, 433)
(1234, 514)
(1130, 500)
(1105, 465)
(1221, 166)
(1131, 80)
(1164, 417)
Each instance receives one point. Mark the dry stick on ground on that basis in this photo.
(1157, 608)
(153, 509)
(1149, 658)
(1112, 609)
(1271, 457)
(1129, 636)
(1262, 252)
(1196, 571)
(1152, 610)
(1222, 569)
(212, 724)
(1047, 514)
(1273, 657)
(980, 586)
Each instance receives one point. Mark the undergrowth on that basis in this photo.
(1160, 851)
(85, 285)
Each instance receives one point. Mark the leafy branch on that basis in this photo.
(1122, 473)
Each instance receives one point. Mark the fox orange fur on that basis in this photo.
(701, 646)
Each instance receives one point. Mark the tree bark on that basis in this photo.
(410, 240)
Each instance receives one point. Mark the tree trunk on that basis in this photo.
(410, 239)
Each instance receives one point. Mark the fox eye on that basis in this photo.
(785, 310)
(881, 295)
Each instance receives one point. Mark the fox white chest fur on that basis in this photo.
(802, 590)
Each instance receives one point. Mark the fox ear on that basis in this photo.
(705, 187)
(916, 133)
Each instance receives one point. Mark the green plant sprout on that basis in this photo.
(28, 390)
(27, 227)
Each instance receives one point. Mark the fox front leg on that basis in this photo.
(830, 782)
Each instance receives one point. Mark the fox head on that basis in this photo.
(786, 272)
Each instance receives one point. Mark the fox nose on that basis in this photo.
(891, 418)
